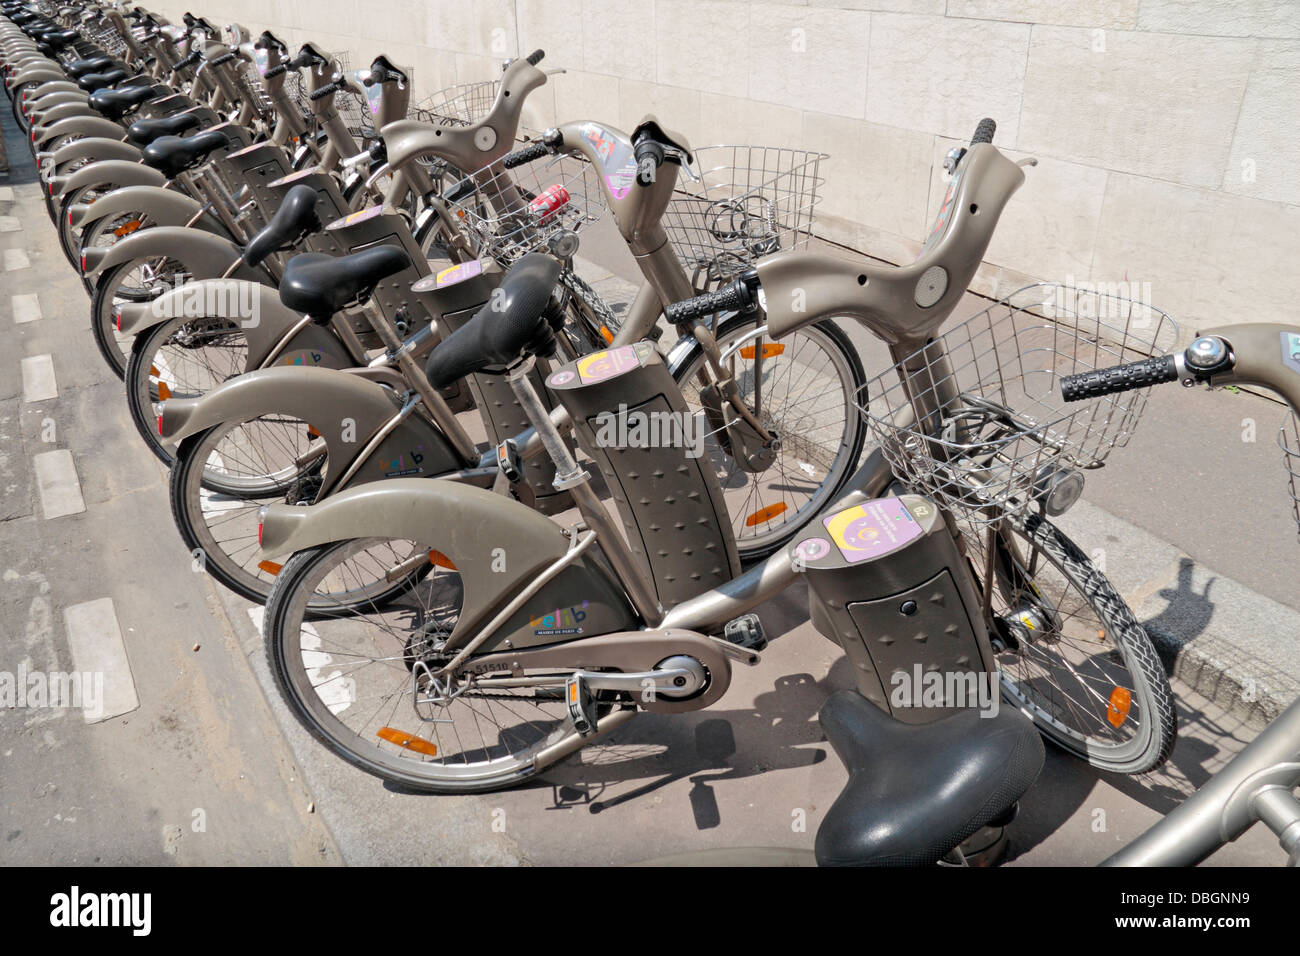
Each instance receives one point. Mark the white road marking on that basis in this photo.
(27, 308)
(56, 480)
(95, 639)
(336, 692)
(38, 379)
(16, 259)
(10, 224)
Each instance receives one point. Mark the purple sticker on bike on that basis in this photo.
(870, 530)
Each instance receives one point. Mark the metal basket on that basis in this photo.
(512, 212)
(1288, 437)
(976, 421)
(458, 105)
(749, 202)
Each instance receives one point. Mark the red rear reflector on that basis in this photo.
(769, 350)
(1121, 698)
(406, 741)
(765, 514)
(259, 534)
(159, 426)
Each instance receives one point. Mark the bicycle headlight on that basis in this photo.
(1058, 488)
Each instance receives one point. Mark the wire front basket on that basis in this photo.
(750, 201)
(458, 105)
(975, 420)
(1288, 437)
(512, 212)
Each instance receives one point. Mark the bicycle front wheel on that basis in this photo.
(804, 389)
(1075, 659)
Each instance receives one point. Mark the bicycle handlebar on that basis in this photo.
(739, 295)
(1119, 378)
(221, 60)
(325, 90)
(525, 154)
(536, 57)
(984, 131)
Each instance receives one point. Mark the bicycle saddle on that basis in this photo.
(915, 791)
(145, 131)
(97, 81)
(172, 155)
(295, 219)
(114, 104)
(514, 323)
(94, 64)
(318, 284)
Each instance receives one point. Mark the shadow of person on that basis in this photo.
(1186, 615)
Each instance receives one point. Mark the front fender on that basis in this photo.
(109, 172)
(472, 526)
(203, 255)
(80, 126)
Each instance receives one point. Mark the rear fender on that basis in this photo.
(109, 172)
(48, 116)
(474, 527)
(162, 207)
(97, 148)
(51, 87)
(80, 126)
(42, 73)
(58, 98)
(257, 309)
(203, 255)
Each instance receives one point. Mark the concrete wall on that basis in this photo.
(1168, 131)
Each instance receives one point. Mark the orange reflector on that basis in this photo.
(765, 514)
(164, 392)
(573, 691)
(126, 228)
(769, 350)
(153, 369)
(606, 334)
(1121, 698)
(311, 430)
(403, 739)
(270, 567)
(440, 560)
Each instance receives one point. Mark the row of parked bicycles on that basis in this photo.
(467, 489)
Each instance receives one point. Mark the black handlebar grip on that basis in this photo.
(221, 60)
(734, 296)
(189, 60)
(525, 155)
(325, 91)
(536, 57)
(984, 131)
(1119, 378)
(276, 71)
(649, 156)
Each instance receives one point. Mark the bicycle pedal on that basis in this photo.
(582, 709)
(746, 631)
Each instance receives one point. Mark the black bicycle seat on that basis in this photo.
(114, 104)
(915, 791)
(318, 284)
(172, 155)
(98, 81)
(94, 64)
(516, 322)
(295, 219)
(145, 131)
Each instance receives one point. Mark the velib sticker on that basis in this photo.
(407, 463)
(563, 620)
(1291, 350)
(872, 529)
